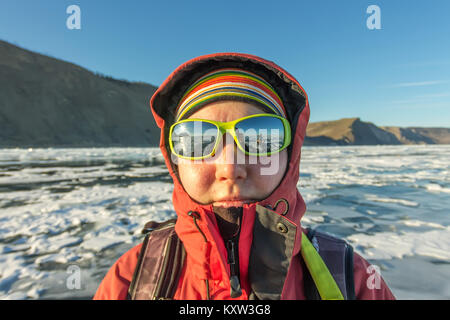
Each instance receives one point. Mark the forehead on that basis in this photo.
(226, 111)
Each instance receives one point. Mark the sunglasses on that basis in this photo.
(255, 135)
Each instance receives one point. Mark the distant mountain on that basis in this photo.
(417, 135)
(353, 131)
(46, 102)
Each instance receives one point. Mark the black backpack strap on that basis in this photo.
(338, 257)
(159, 265)
(349, 274)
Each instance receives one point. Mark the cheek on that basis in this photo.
(267, 176)
(258, 183)
(196, 178)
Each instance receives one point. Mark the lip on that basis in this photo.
(231, 203)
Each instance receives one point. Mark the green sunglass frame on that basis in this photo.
(224, 127)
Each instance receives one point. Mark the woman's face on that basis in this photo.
(225, 180)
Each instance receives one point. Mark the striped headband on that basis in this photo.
(229, 82)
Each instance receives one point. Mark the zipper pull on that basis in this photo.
(235, 285)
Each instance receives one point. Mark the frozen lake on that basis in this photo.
(61, 208)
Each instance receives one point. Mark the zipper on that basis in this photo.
(232, 259)
(232, 246)
(233, 262)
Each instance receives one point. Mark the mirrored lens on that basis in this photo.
(260, 135)
(194, 138)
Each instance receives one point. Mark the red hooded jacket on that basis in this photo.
(208, 260)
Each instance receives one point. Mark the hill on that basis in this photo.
(353, 131)
(417, 135)
(46, 102)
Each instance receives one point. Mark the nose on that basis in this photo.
(230, 161)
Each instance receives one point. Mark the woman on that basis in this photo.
(232, 128)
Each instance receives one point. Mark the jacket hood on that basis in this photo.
(295, 100)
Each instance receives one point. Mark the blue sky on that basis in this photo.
(398, 75)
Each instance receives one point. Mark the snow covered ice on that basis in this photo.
(86, 207)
